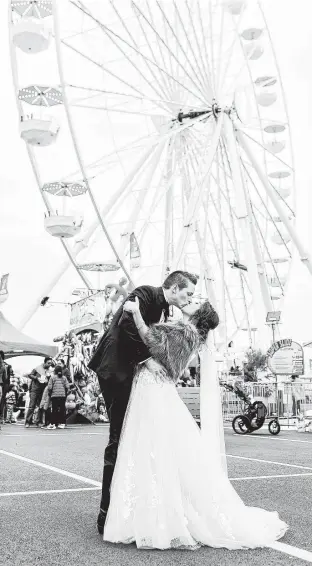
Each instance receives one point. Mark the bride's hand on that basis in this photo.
(156, 369)
(132, 306)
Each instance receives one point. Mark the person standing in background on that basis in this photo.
(58, 388)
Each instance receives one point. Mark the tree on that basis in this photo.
(256, 361)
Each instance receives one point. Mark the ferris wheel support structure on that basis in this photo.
(246, 222)
(168, 216)
(195, 199)
(133, 220)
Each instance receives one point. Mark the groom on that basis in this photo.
(121, 349)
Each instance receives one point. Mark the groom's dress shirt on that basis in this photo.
(121, 348)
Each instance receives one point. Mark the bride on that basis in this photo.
(170, 487)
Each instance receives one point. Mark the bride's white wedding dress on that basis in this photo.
(166, 491)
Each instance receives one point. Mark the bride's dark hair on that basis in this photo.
(174, 344)
(205, 318)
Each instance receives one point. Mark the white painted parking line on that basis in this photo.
(272, 477)
(277, 439)
(52, 468)
(292, 551)
(47, 491)
(279, 547)
(269, 462)
(56, 434)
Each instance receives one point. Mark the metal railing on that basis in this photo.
(284, 399)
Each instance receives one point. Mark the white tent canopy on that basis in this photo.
(15, 343)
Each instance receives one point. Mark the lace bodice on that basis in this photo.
(145, 377)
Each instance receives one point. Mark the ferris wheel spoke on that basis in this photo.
(101, 66)
(159, 80)
(205, 87)
(112, 35)
(159, 195)
(208, 67)
(207, 270)
(116, 39)
(117, 110)
(218, 60)
(221, 230)
(247, 166)
(257, 251)
(213, 70)
(195, 93)
(236, 252)
(199, 57)
(270, 152)
(168, 68)
(142, 98)
(163, 77)
(227, 61)
(267, 209)
(179, 44)
(168, 243)
(196, 196)
(125, 190)
(268, 252)
(225, 284)
(140, 200)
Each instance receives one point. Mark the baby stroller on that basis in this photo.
(253, 415)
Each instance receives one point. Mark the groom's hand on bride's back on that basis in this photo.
(156, 369)
(132, 306)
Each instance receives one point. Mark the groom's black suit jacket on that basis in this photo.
(121, 348)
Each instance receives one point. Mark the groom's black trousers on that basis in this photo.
(116, 396)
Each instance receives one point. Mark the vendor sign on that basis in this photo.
(285, 357)
(88, 311)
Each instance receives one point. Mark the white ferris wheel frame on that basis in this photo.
(231, 135)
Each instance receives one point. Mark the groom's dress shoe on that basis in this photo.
(101, 521)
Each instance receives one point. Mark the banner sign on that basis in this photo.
(88, 311)
(135, 254)
(285, 357)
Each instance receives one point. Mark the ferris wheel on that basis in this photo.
(159, 137)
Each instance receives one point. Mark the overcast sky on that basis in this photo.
(29, 254)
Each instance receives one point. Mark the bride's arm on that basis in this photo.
(134, 308)
(153, 366)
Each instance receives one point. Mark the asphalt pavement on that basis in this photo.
(49, 498)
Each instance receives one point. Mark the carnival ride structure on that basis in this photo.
(159, 138)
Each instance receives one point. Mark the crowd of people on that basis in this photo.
(62, 387)
(48, 395)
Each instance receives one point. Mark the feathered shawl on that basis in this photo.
(174, 344)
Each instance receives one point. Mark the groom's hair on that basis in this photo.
(179, 278)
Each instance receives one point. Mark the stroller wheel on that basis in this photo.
(241, 425)
(274, 427)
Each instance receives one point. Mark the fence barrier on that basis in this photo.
(285, 399)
